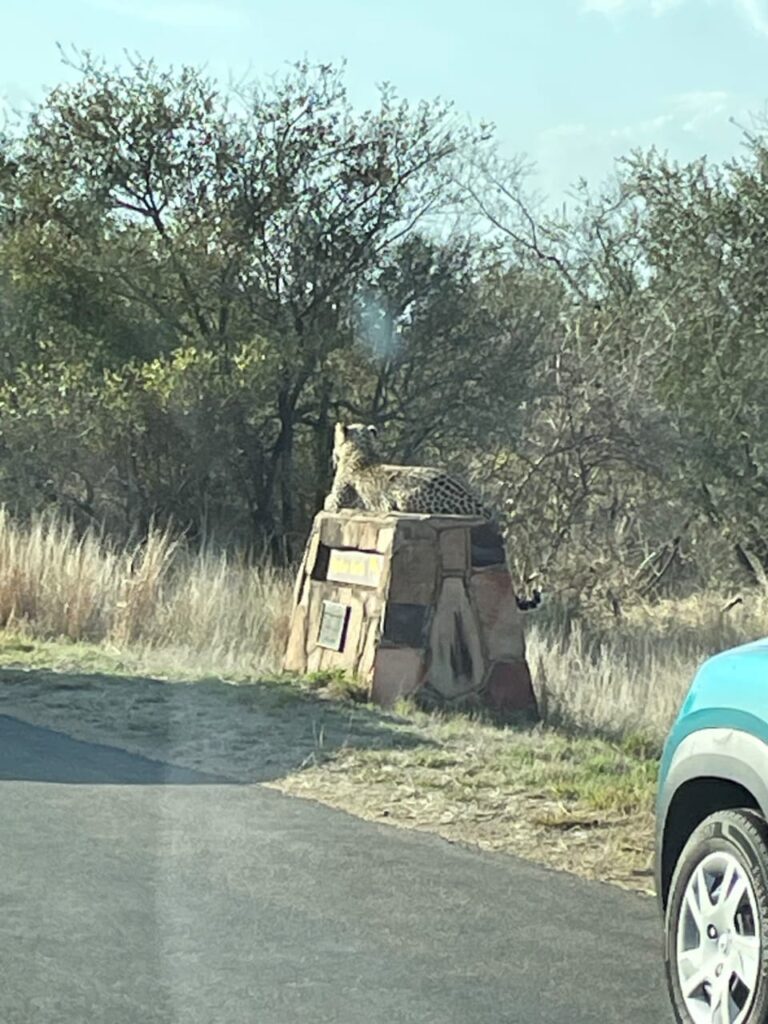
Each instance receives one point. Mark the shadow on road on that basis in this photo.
(29, 753)
(147, 731)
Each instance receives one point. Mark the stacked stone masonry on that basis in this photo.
(411, 604)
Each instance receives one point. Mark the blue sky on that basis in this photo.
(570, 83)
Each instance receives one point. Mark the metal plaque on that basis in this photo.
(333, 625)
(363, 568)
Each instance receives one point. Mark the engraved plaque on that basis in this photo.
(333, 625)
(364, 568)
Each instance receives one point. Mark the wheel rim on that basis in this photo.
(718, 942)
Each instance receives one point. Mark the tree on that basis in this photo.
(154, 215)
(704, 232)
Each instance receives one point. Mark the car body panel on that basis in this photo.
(721, 732)
(728, 754)
(730, 690)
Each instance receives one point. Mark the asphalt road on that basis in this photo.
(132, 893)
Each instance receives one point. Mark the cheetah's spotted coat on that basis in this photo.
(362, 481)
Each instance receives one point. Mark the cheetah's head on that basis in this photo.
(354, 442)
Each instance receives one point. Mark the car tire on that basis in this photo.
(716, 922)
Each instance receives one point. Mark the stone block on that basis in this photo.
(331, 528)
(353, 640)
(365, 664)
(314, 658)
(498, 614)
(295, 650)
(368, 538)
(352, 533)
(509, 687)
(397, 673)
(405, 624)
(414, 573)
(487, 546)
(457, 664)
(299, 587)
(453, 551)
(310, 554)
(320, 562)
(386, 539)
(447, 522)
(411, 527)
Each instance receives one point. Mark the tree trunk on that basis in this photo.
(322, 443)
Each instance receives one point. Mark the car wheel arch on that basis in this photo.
(710, 769)
(693, 801)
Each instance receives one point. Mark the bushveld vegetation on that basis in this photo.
(195, 283)
(91, 626)
(191, 609)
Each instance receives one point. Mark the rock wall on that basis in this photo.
(411, 604)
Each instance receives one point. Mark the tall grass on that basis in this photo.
(217, 613)
(154, 594)
(629, 676)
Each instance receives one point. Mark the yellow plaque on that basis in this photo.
(361, 567)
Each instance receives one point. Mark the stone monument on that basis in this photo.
(411, 605)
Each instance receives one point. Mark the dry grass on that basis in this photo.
(213, 611)
(628, 676)
(205, 607)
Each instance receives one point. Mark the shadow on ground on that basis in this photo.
(133, 729)
(30, 753)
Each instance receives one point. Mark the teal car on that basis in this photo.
(712, 843)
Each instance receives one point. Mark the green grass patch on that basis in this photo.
(337, 684)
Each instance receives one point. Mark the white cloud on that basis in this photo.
(754, 11)
(610, 7)
(687, 125)
(605, 6)
(693, 110)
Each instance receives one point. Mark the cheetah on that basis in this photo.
(362, 481)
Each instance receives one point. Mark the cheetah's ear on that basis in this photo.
(372, 430)
(339, 433)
